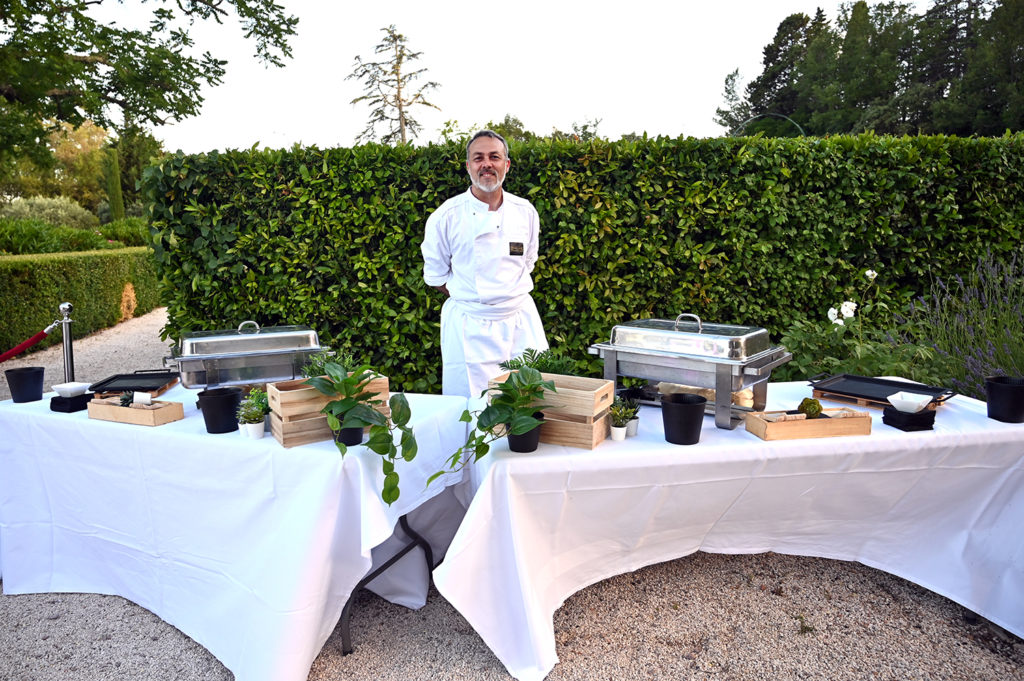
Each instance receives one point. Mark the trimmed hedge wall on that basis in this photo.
(751, 230)
(95, 282)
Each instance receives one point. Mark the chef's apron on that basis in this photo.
(476, 338)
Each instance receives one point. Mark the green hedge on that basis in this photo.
(20, 237)
(750, 230)
(95, 282)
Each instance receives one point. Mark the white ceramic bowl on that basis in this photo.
(909, 402)
(70, 389)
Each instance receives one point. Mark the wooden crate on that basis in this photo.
(576, 399)
(557, 431)
(297, 432)
(853, 423)
(293, 401)
(155, 414)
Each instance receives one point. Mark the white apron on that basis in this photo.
(475, 338)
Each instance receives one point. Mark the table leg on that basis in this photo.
(346, 612)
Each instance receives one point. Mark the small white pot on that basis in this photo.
(251, 430)
(618, 433)
(631, 427)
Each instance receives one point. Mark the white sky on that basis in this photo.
(640, 65)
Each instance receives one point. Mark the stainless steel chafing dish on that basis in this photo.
(723, 357)
(249, 354)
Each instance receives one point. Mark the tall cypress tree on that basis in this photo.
(113, 176)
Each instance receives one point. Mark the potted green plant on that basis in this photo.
(620, 415)
(261, 399)
(251, 416)
(544, 361)
(354, 409)
(513, 411)
(632, 407)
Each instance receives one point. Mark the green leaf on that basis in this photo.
(400, 411)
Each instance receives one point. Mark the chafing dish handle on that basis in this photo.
(762, 370)
(700, 324)
(248, 321)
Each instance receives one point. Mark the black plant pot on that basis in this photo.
(527, 442)
(349, 436)
(1005, 398)
(26, 383)
(682, 415)
(220, 409)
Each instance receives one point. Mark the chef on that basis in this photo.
(479, 250)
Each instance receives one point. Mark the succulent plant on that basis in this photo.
(811, 407)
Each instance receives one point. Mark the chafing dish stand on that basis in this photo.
(724, 357)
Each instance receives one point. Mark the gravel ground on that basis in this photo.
(764, 616)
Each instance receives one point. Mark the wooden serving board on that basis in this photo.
(155, 414)
(850, 423)
(861, 401)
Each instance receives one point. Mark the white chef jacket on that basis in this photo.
(485, 258)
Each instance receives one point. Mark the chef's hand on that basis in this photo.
(443, 288)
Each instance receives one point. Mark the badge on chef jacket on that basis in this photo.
(515, 248)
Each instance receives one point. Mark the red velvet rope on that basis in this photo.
(24, 346)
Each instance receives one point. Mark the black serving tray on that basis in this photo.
(155, 381)
(876, 389)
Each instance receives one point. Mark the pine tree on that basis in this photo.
(387, 85)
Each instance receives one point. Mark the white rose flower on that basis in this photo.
(833, 315)
(848, 308)
(871, 274)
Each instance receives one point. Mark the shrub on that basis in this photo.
(129, 231)
(738, 230)
(104, 286)
(58, 210)
(135, 209)
(975, 323)
(19, 237)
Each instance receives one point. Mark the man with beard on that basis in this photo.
(479, 250)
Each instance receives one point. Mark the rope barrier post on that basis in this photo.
(69, 356)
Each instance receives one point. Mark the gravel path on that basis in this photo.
(764, 616)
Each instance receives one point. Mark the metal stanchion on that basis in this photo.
(69, 355)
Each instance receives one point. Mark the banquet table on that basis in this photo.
(249, 548)
(942, 508)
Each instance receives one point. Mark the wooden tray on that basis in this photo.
(111, 410)
(857, 423)
(576, 399)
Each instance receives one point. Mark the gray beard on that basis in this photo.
(487, 189)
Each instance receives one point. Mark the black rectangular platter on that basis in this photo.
(142, 381)
(878, 389)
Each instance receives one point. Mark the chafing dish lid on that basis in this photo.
(725, 341)
(248, 338)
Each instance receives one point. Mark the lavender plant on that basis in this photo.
(975, 325)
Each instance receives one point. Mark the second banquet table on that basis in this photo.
(249, 548)
(942, 508)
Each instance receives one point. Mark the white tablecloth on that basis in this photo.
(941, 508)
(249, 548)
